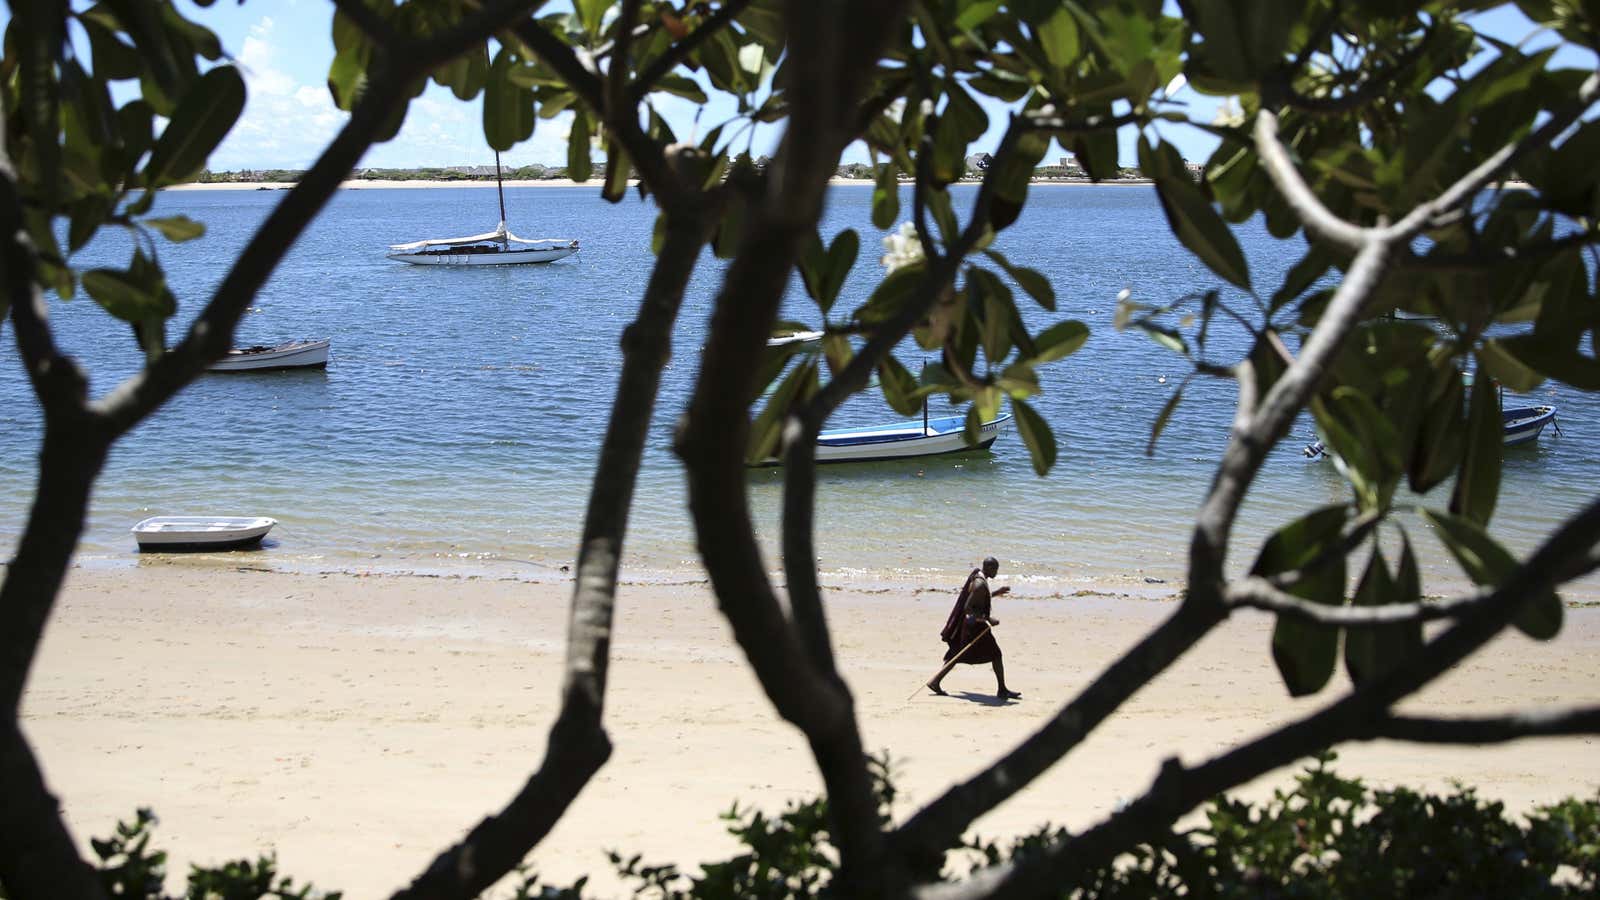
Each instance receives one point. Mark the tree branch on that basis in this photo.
(578, 745)
(1322, 222)
(1260, 593)
(1359, 715)
(38, 857)
(831, 49)
(677, 53)
(1490, 729)
(367, 19)
(621, 115)
(619, 98)
(212, 332)
(1248, 448)
(1373, 86)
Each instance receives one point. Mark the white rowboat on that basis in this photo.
(288, 355)
(201, 532)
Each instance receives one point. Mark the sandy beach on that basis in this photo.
(357, 724)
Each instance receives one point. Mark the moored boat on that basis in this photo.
(496, 248)
(1523, 423)
(287, 355)
(903, 440)
(201, 532)
(1520, 425)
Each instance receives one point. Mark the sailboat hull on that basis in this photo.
(498, 258)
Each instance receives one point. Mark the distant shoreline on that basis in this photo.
(360, 184)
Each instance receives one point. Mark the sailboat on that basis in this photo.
(496, 248)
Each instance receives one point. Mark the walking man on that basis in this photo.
(968, 633)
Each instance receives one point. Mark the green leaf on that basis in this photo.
(508, 114)
(681, 86)
(1302, 276)
(1306, 654)
(347, 77)
(590, 13)
(944, 215)
(1440, 435)
(1193, 219)
(1478, 481)
(1036, 436)
(1010, 174)
(1371, 652)
(886, 198)
(1302, 541)
(766, 432)
(1488, 563)
(177, 229)
(1059, 340)
(891, 294)
(618, 168)
(824, 272)
(465, 76)
(578, 165)
(1096, 150)
(1504, 367)
(997, 308)
(122, 295)
(899, 387)
(202, 119)
(1364, 442)
(1160, 425)
(1037, 286)
(1058, 38)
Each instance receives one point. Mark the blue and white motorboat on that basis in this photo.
(1521, 424)
(904, 440)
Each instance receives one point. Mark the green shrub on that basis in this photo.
(1327, 837)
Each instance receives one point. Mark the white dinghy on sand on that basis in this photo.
(161, 533)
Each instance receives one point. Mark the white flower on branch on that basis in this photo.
(901, 248)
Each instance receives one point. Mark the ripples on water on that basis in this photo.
(457, 422)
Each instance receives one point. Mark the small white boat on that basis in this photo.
(1523, 423)
(201, 532)
(795, 337)
(902, 440)
(496, 248)
(288, 355)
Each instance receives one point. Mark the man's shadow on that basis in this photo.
(984, 699)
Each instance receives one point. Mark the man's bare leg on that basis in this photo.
(1000, 682)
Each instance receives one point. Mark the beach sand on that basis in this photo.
(358, 724)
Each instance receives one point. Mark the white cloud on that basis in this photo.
(285, 124)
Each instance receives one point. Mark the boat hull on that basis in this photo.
(902, 440)
(293, 355)
(178, 533)
(1520, 425)
(1524, 423)
(503, 258)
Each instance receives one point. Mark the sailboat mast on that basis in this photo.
(499, 187)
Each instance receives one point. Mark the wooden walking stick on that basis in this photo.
(951, 664)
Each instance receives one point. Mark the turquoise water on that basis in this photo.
(456, 425)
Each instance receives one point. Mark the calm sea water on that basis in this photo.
(457, 423)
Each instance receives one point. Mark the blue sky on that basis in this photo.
(284, 47)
